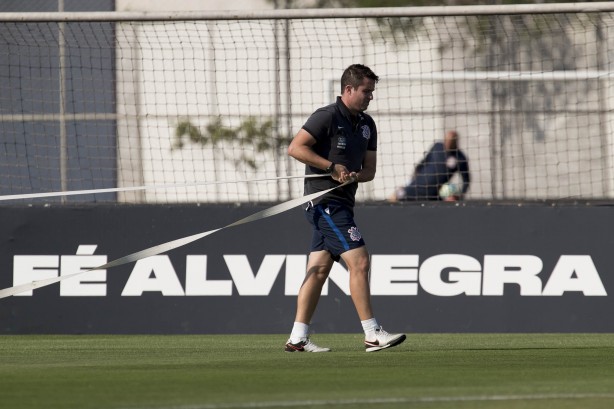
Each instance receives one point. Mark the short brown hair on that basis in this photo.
(355, 74)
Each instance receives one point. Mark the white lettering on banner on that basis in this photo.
(32, 268)
(154, 273)
(587, 280)
(394, 274)
(444, 275)
(196, 282)
(90, 284)
(522, 270)
(249, 283)
(463, 275)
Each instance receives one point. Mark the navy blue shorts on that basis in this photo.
(334, 229)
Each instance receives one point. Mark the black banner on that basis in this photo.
(435, 268)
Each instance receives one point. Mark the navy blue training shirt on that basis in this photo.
(343, 140)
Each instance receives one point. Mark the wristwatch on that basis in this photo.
(330, 168)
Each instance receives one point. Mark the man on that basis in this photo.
(340, 140)
(441, 162)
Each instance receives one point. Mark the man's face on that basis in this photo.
(357, 99)
(450, 142)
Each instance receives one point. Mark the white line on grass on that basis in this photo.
(415, 400)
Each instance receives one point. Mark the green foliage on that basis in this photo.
(250, 136)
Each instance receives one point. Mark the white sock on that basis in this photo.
(369, 326)
(299, 332)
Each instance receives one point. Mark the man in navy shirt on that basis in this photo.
(441, 162)
(339, 141)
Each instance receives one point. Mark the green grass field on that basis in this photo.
(216, 371)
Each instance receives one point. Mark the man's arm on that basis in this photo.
(428, 157)
(369, 164)
(300, 149)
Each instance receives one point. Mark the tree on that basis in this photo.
(250, 136)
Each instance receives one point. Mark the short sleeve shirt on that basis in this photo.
(342, 139)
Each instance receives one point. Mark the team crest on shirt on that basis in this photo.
(451, 162)
(354, 233)
(366, 132)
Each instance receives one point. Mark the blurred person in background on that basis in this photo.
(431, 178)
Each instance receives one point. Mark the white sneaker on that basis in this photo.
(383, 340)
(304, 345)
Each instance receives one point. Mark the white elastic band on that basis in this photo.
(146, 187)
(162, 248)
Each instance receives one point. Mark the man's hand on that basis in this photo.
(341, 174)
(392, 198)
